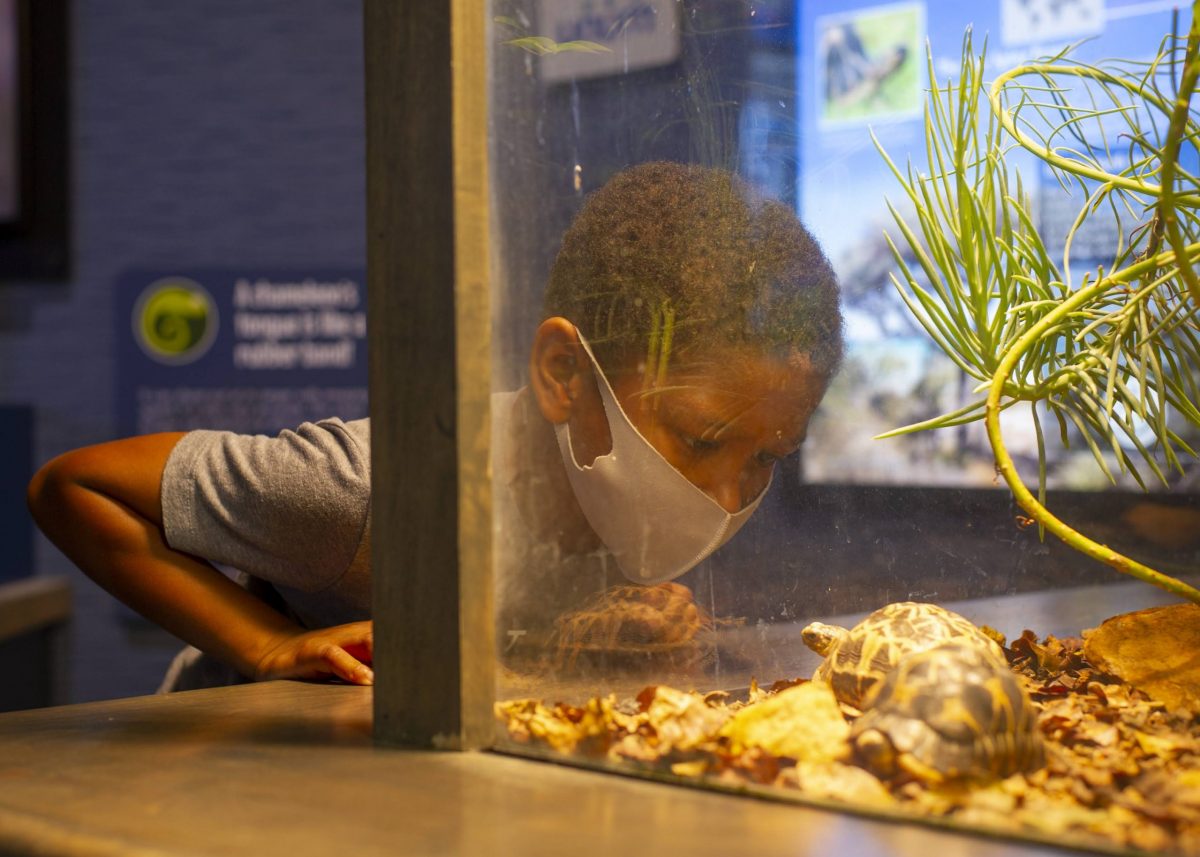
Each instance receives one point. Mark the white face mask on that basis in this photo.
(656, 523)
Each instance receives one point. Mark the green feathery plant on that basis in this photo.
(1114, 356)
(543, 45)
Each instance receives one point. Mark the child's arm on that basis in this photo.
(101, 506)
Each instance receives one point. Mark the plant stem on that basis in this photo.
(664, 349)
(1179, 120)
(1004, 463)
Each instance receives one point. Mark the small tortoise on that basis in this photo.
(856, 660)
(953, 711)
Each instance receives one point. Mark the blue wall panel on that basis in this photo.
(207, 134)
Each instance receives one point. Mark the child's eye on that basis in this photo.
(765, 459)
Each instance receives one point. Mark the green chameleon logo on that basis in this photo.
(175, 321)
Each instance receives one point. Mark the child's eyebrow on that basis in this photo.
(717, 425)
(694, 410)
(782, 443)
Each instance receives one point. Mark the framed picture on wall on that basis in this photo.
(34, 151)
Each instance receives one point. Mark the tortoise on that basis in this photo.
(858, 658)
(951, 712)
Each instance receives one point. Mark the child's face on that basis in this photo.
(723, 421)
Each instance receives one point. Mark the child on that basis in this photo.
(691, 330)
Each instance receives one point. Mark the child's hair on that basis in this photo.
(668, 255)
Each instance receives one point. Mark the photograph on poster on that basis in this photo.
(1024, 21)
(869, 64)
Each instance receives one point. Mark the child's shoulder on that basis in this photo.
(359, 430)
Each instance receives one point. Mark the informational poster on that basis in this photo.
(242, 350)
(863, 70)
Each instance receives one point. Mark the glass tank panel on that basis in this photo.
(738, 245)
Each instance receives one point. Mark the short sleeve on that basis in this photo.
(290, 509)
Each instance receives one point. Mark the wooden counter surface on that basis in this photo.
(287, 768)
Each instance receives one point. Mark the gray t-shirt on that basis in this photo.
(291, 513)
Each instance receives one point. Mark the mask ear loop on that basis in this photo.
(609, 401)
(605, 400)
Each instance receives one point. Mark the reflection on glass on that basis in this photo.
(694, 288)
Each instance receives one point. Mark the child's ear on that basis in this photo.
(557, 366)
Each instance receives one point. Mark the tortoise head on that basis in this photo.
(822, 638)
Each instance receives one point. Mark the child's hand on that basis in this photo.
(343, 651)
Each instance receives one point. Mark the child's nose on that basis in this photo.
(728, 494)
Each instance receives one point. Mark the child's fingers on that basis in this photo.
(347, 667)
(360, 641)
